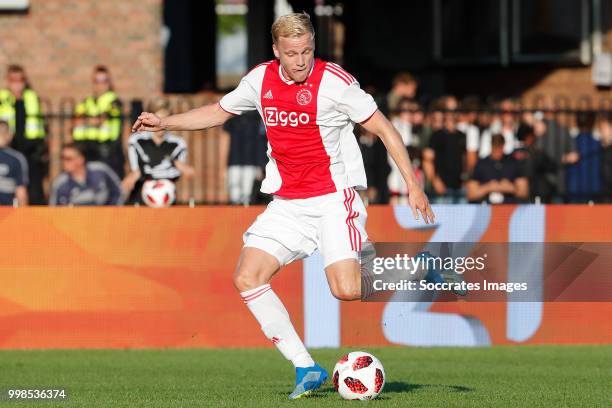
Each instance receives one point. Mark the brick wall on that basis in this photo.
(59, 42)
(573, 82)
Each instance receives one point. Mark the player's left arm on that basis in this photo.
(380, 125)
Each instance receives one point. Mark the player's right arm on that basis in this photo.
(200, 118)
(243, 98)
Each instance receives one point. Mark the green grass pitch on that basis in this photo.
(521, 376)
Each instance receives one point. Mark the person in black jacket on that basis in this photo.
(246, 157)
(376, 165)
(539, 168)
(604, 128)
(498, 178)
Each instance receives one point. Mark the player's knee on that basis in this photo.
(255, 268)
(344, 280)
(245, 279)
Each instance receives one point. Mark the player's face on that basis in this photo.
(296, 55)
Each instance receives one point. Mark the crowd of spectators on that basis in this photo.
(461, 151)
(464, 152)
(92, 156)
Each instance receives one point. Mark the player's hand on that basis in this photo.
(418, 202)
(147, 122)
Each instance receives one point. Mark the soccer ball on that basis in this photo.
(158, 193)
(359, 375)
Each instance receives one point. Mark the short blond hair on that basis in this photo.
(292, 25)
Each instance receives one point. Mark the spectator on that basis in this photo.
(538, 167)
(604, 128)
(422, 128)
(484, 120)
(525, 126)
(449, 103)
(246, 156)
(404, 86)
(467, 125)
(20, 107)
(402, 120)
(98, 123)
(376, 166)
(13, 171)
(154, 156)
(419, 130)
(436, 119)
(557, 143)
(506, 126)
(84, 183)
(444, 161)
(583, 178)
(498, 178)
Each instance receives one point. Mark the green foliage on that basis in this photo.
(228, 24)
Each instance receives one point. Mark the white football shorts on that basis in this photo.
(292, 229)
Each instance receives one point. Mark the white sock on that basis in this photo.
(276, 324)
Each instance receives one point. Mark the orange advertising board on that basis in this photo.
(139, 278)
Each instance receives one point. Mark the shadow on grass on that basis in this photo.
(400, 387)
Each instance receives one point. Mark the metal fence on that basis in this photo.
(208, 149)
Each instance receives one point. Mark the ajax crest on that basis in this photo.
(303, 97)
